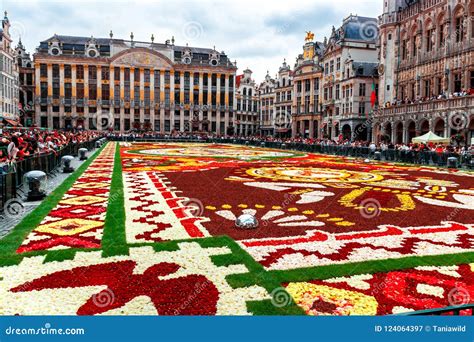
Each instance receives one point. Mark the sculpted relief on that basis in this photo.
(142, 59)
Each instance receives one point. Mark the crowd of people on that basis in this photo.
(16, 145)
(382, 146)
(442, 96)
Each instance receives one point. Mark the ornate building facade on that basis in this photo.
(246, 105)
(427, 69)
(108, 83)
(26, 86)
(350, 63)
(283, 100)
(8, 76)
(267, 105)
(307, 74)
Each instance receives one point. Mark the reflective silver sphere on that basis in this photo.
(246, 221)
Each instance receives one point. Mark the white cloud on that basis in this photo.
(258, 34)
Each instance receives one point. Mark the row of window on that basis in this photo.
(334, 92)
(433, 87)
(329, 66)
(247, 106)
(435, 38)
(127, 72)
(128, 124)
(307, 85)
(7, 64)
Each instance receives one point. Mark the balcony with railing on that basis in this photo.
(456, 103)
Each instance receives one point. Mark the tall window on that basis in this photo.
(429, 40)
(413, 46)
(157, 78)
(105, 92)
(427, 90)
(116, 74)
(459, 29)
(67, 71)
(146, 75)
(80, 72)
(44, 90)
(80, 90)
(404, 49)
(92, 72)
(105, 73)
(43, 70)
(67, 90)
(362, 89)
(92, 91)
(55, 70)
(457, 83)
(441, 37)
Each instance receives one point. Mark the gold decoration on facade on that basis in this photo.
(309, 36)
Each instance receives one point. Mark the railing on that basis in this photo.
(390, 155)
(12, 179)
(462, 102)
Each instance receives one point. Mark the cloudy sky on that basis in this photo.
(258, 34)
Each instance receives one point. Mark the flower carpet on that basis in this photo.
(149, 228)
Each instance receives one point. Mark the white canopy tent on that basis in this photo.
(431, 137)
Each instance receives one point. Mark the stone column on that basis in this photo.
(182, 125)
(132, 96)
(151, 84)
(61, 96)
(50, 95)
(162, 101)
(99, 96)
(142, 96)
(122, 97)
(172, 104)
(74, 91)
(201, 95)
(38, 95)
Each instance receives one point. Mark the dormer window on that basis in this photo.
(186, 56)
(214, 58)
(92, 48)
(55, 47)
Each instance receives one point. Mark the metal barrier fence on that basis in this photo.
(410, 157)
(12, 180)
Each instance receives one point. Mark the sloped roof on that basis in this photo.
(365, 68)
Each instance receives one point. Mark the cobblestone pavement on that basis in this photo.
(19, 208)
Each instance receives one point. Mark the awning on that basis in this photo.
(12, 123)
(431, 137)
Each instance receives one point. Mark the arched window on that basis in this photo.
(429, 36)
(414, 43)
(404, 45)
(245, 92)
(250, 92)
(441, 31)
(459, 25)
(471, 18)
